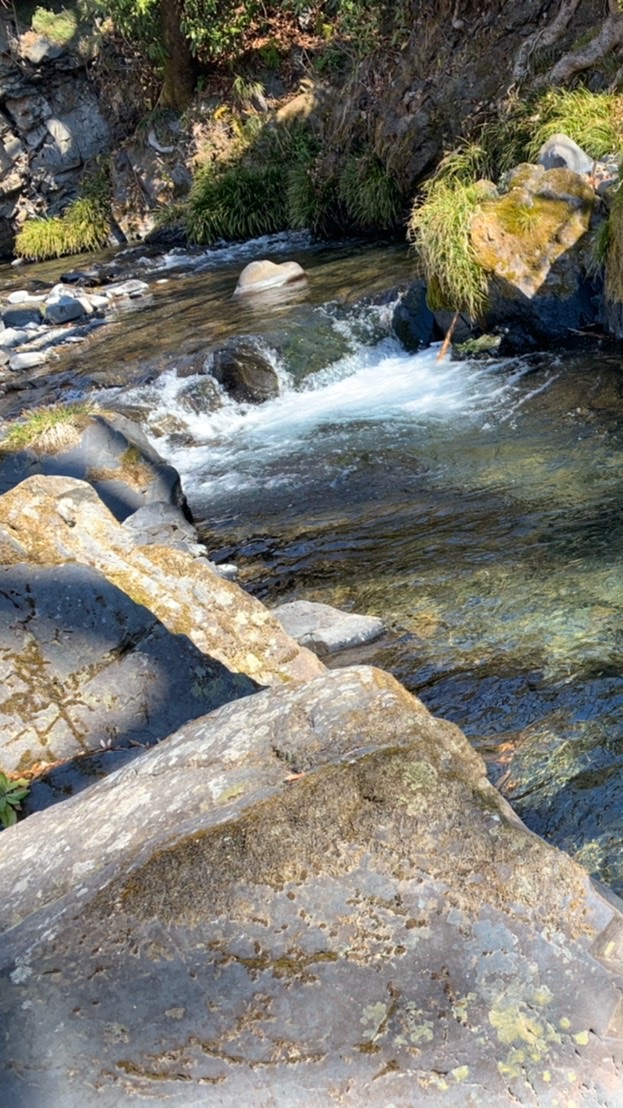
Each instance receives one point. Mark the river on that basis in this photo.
(474, 506)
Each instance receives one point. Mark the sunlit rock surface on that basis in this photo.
(309, 897)
(105, 644)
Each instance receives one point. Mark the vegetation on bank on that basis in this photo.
(47, 430)
(85, 225)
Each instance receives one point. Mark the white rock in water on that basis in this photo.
(20, 296)
(268, 275)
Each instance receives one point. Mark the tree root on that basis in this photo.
(608, 38)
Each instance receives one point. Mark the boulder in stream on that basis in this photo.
(257, 276)
(245, 369)
(310, 896)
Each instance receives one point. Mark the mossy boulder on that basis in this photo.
(312, 895)
(534, 241)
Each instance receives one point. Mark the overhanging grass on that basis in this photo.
(439, 229)
(370, 194)
(236, 202)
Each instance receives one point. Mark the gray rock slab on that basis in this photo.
(309, 897)
(28, 359)
(325, 629)
(22, 316)
(64, 309)
(84, 666)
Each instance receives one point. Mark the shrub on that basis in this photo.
(370, 194)
(236, 202)
(611, 245)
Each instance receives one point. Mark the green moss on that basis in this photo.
(58, 27)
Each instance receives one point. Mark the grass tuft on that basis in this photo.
(592, 119)
(84, 225)
(370, 194)
(236, 202)
(439, 229)
(47, 430)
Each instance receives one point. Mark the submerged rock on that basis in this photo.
(324, 629)
(310, 896)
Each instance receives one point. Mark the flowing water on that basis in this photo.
(476, 507)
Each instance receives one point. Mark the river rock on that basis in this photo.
(561, 152)
(245, 370)
(85, 666)
(22, 316)
(63, 308)
(268, 275)
(533, 243)
(310, 896)
(28, 359)
(111, 452)
(325, 629)
(50, 520)
(412, 320)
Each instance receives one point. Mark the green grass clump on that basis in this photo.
(370, 194)
(84, 225)
(592, 119)
(439, 229)
(58, 27)
(47, 430)
(236, 202)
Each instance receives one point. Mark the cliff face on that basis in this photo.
(432, 76)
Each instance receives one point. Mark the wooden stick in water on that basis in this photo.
(448, 339)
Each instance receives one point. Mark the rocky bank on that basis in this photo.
(303, 894)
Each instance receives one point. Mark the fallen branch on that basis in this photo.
(448, 339)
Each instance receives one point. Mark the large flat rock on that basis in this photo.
(309, 897)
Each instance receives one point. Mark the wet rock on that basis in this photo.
(412, 321)
(245, 370)
(201, 395)
(27, 360)
(268, 275)
(86, 666)
(63, 308)
(14, 336)
(324, 629)
(56, 519)
(311, 893)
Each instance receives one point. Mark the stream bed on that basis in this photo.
(476, 507)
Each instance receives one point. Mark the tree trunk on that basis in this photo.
(180, 67)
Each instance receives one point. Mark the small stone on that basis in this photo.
(27, 361)
(268, 275)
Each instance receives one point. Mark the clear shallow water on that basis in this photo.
(476, 507)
